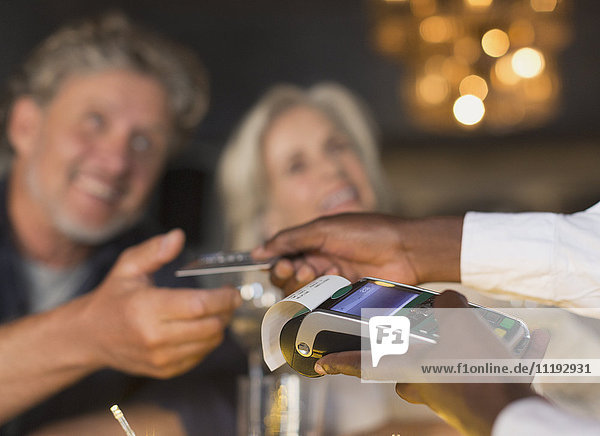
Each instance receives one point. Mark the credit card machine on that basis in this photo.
(336, 325)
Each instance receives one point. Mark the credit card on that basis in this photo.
(224, 262)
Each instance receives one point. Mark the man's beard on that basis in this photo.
(74, 229)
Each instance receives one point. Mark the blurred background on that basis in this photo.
(527, 137)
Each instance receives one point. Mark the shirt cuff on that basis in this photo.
(508, 253)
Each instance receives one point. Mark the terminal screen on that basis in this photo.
(372, 295)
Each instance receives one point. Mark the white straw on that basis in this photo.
(121, 418)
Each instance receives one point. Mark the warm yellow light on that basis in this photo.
(474, 85)
(539, 88)
(481, 63)
(495, 43)
(504, 71)
(479, 3)
(422, 8)
(385, 284)
(468, 109)
(543, 5)
(527, 62)
(432, 89)
(468, 49)
(521, 33)
(434, 64)
(390, 36)
(455, 70)
(436, 29)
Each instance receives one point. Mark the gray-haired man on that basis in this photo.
(93, 118)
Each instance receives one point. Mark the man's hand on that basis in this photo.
(470, 407)
(135, 327)
(358, 245)
(126, 323)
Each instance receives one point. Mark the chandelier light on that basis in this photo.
(475, 64)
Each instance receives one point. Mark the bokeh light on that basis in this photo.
(527, 62)
(436, 29)
(474, 85)
(504, 71)
(467, 48)
(543, 5)
(432, 89)
(479, 3)
(538, 89)
(455, 69)
(521, 33)
(434, 64)
(491, 65)
(391, 35)
(468, 110)
(422, 8)
(495, 43)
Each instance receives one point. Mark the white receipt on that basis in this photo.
(309, 297)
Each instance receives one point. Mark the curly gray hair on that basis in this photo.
(113, 42)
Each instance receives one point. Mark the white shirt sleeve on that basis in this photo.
(534, 416)
(552, 258)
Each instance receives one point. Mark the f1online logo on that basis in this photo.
(388, 335)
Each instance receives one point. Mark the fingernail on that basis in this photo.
(319, 369)
(304, 274)
(166, 240)
(332, 271)
(279, 270)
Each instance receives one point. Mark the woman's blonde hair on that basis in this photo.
(241, 174)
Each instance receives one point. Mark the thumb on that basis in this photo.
(450, 299)
(345, 362)
(450, 309)
(149, 256)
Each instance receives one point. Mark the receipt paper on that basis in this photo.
(309, 297)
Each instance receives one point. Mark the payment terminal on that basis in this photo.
(336, 325)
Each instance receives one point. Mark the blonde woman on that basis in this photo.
(297, 155)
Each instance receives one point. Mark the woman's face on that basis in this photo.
(312, 170)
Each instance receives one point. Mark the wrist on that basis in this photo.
(432, 247)
(77, 330)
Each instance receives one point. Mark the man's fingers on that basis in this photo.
(282, 271)
(450, 299)
(453, 314)
(286, 270)
(150, 255)
(305, 274)
(194, 330)
(179, 359)
(306, 237)
(291, 275)
(347, 362)
(182, 304)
